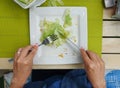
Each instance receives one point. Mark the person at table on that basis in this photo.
(91, 77)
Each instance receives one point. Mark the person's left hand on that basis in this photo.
(22, 67)
(95, 68)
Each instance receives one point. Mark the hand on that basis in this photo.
(95, 68)
(22, 66)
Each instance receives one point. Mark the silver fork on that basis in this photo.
(73, 45)
(50, 39)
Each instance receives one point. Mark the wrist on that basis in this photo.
(16, 83)
(100, 85)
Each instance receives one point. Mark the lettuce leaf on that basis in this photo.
(48, 28)
(67, 18)
(26, 1)
(55, 2)
(54, 28)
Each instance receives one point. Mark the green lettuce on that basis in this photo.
(54, 28)
(67, 18)
(26, 1)
(49, 28)
(54, 2)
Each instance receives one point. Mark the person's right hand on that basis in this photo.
(95, 68)
(22, 67)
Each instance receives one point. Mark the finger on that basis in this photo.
(92, 55)
(100, 59)
(17, 54)
(32, 53)
(25, 51)
(85, 58)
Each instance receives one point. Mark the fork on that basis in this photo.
(72, 45)
(50, 39)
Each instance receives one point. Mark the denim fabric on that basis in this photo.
(76, 79)
(73, 79)
(113, 79)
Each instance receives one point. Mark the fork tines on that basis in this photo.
(54, 37)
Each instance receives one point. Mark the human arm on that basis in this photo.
(95, 68)
(22, 66)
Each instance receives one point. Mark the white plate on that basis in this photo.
(52, 55)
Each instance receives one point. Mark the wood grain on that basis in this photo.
(111, 45)
(111, 28)
(4, 64)
(112, 61)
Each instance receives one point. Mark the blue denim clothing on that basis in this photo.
(113, 79)
(73, 79)
(76, 79)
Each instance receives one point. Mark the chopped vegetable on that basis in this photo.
(67, 18)
(54, 28)
(54, 2)
(61, 55)
(26, 1)
(48, 28)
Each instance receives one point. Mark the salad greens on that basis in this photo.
(48, 28)
(54, 2)
(54, 28)
(67, 18)
(26, 1)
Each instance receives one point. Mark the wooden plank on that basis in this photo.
(112, 61)
(111, 28)
(4, 64)
(107, 13)
(111, 45)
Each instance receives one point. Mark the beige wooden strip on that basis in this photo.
(112, 61)
(74, 66)
(107, 13)
(4, 64)
(111, 45)
(111, 28)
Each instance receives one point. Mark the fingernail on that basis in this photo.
(35, 46)
(82, 48)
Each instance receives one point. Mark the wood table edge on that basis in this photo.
(4, 64)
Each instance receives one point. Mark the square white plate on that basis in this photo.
(65, 53)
